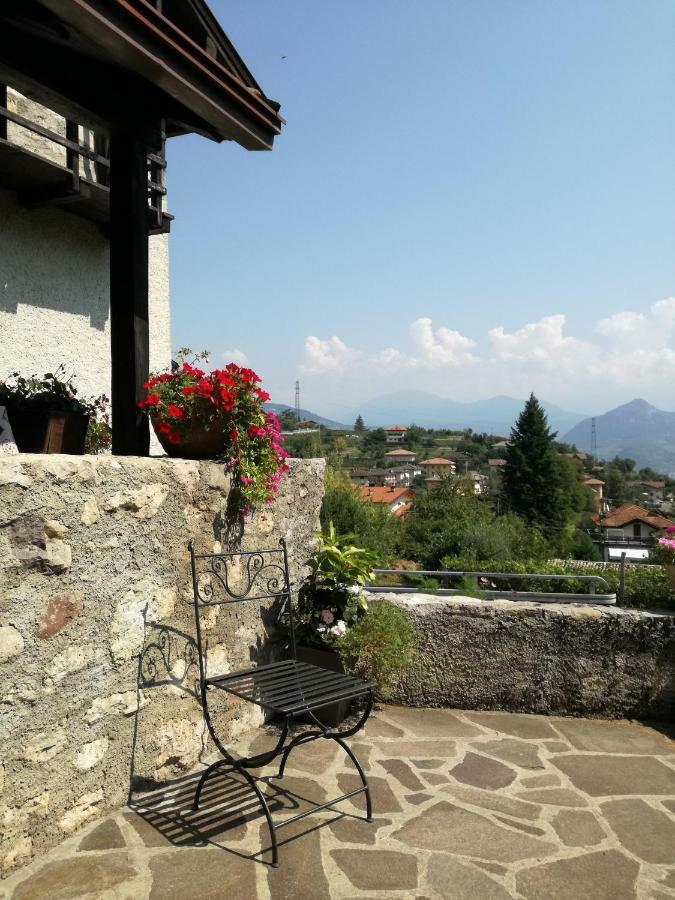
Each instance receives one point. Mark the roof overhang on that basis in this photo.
(193, 90)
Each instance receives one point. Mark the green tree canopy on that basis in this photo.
(533, 481)
(359, 424)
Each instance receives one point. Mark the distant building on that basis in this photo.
(398, 500)
(629, 529)
(438, 466)
(654, 492)
(404, 475)
(372, 477)
(399, 456)
(433, 482)
(395, 434)
(501, 445)
(596, 485)
(496, 463)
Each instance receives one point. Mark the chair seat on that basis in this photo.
(291, 686)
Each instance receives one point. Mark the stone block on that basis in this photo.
(11, 643)
(61, 609)
(87, 807)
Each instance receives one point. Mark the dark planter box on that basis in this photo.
(335, 713)
(45, 432)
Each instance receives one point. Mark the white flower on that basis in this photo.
(339, 629)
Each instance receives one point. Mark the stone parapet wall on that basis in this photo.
(97, 662)
(540, 658)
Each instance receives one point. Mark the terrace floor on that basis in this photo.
(479, 805)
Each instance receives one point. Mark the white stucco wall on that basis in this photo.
(54, 296)
(55, 281)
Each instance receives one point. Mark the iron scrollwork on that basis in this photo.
(270, 577)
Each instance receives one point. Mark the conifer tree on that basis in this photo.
(359, 425)
(532, 479)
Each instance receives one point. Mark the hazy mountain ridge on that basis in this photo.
(496, 415)
(278, 408)
(636, 430)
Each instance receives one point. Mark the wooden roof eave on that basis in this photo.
(133, 38)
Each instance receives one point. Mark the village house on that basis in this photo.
(438, 466)
(395, 434)
(399, 456)
(596, 485)
(629, 529)
(654, 492)
(398, 500)
(372, 476)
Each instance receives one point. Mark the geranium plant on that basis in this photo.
(228, 404)
(664, 551)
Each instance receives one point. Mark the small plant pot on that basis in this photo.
(337, 712)
(197, 443)
(45, 432)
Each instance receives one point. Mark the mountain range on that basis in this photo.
(278, 408)
(636, 430)
(495, 415)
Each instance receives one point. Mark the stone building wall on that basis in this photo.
(549, 658)
(97, 664)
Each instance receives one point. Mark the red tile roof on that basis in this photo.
(496, 462)
(593, 481)
(386, 494)
(397, 428)
(400, 451)
(657, 485)
(437, 461)
(631, 512)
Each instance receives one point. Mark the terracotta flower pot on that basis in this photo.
(196, 443)
(41, 431)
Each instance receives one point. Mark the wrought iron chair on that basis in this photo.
(290, 689)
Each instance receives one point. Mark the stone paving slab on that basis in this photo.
(468, 806)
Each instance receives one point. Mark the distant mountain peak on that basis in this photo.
(635, 430)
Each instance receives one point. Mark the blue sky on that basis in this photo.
(472, 197)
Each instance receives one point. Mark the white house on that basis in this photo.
(395, 434)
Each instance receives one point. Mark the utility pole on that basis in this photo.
(297, 400)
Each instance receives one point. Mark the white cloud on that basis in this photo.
(325, 356)
(442, 347)
(653, 329)
(631, 351)
(237, 356)
(543, 343)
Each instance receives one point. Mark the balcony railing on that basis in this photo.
(69, 169)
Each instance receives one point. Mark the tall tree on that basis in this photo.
(532, 479)
(359, 425)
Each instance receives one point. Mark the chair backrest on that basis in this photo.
(243, 576)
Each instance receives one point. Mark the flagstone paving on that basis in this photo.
(468, 806)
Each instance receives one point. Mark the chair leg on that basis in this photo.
(206, 774)
(261, 799)
(298, 739)
(350, 753)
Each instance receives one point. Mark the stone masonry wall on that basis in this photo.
(97, 663)
(540, 658)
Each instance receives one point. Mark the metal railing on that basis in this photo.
(444, 576)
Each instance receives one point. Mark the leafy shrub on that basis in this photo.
(380, 646)
(645, 586)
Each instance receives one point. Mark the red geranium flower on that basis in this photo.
(176, 412)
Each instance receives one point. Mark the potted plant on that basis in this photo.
(46, 414)
(219, 414)
(335, 628)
